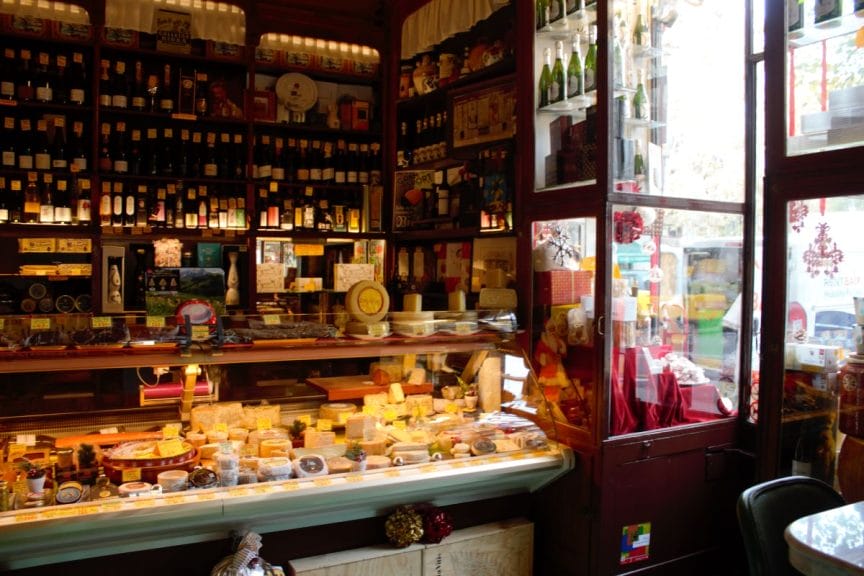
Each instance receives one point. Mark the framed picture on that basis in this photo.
(264, 105)
(484, 114)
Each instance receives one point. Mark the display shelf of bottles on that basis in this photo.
(36, 74)
(557, 17)
(288, 127)
(809, 32)
(318, 74)
(575, 103)
(505, 66)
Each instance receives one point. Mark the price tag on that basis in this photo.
(322, 482)
(274, 186)
(200, 332)
(26, 439)
(170, 448)
(155, 321)
(427, 468)
(305, 419)
(100, 322)
(170, 431)
(451, 408)
(131, 474)
(390, 415)
(271, 319)
(221, 427)
(399, 424)
(264, 424)
(392, 473)
(369, 410)
(324, 424)
(111, 430)
(354, 477)
(40, 323)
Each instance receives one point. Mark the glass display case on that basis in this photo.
(824, 80)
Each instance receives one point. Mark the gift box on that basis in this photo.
(562, 286)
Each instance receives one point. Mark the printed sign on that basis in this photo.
(635, 541)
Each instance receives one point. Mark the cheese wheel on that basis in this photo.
(367, 301)
(267, 447)
(208, 451)
(374, 461)
(337, 413)
(374, 447)
(197, 439)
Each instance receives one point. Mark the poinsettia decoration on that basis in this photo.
(628, 226)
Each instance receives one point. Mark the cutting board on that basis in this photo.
(355, 387)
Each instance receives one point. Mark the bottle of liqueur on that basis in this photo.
(32, 199)
(105, 87)
(591, 60)
(59, 151)
(558, 92)
(25, 146)
(139, 88)
(575, 75)
(42, 156)
(545, 85)
(7, 75)
(77, 80)
(26, 87)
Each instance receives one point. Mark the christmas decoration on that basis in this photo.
(628, 226)
(797, 213)
(822, 255)
(404, 527)
(437, 524)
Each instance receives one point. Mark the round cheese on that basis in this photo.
(337, 412)
(367, 301)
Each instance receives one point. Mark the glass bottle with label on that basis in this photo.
(591, 61)
(32, 199)
(575, 75)
(827, 10)
(558, 91)
(545, 85)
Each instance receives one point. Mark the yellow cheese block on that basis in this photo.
(395, 395)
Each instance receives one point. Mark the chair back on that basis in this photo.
(764, 511)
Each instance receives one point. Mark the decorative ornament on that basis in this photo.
(628, 226)
(822, 255)
(404, 527)
(555, 250)
(437, 524)
(798, 211)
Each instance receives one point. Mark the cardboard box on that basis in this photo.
(554, 287)
(346, 275)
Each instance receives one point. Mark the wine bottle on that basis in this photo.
(59, 152)
(328, 170)
(7, 75)
(203, 207)
(156, 213)
(556, 10)
(238, 157)
(639, 163)
(120, 86)
(546, 78)
(25, 147)
(278, 169)
(196, 156)
(166, 102)
(575, 75)
(121, 147)
(105, 204)
(262, 202)
(201, 101)
(352, 171)
(640, 29)
(541, 14)
(106, 164)
(62, 201)
(4, 201)
(558, 91)
(153, 93)
(218, 216)
(139, 89)
(77, 80)
(81, 193)
(179, 212)
(641, 110)
(16, 203)
(274, 213)
(61, 79)
(375, 174)
(26, 87)
(167, 156)
(9, 156)
(363, 164)
(136, 153)
(32, 200)
(42, 154)
(118, 203)
(265, 158)
(211, 163)
(79, 151)
(44, 78)
(46, 202)
(190, 209)
(153, 164)
(223, 155)
(590, 64)
(315, 161)
(104, 83)
(309, 208)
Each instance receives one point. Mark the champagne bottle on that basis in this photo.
(590, 64)
(558, 91)
(556, 10)
(546, 78)
(827, 10)
(575, 76)
(32, 200)
(641, 110)
(542, 14)
(77, 82)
